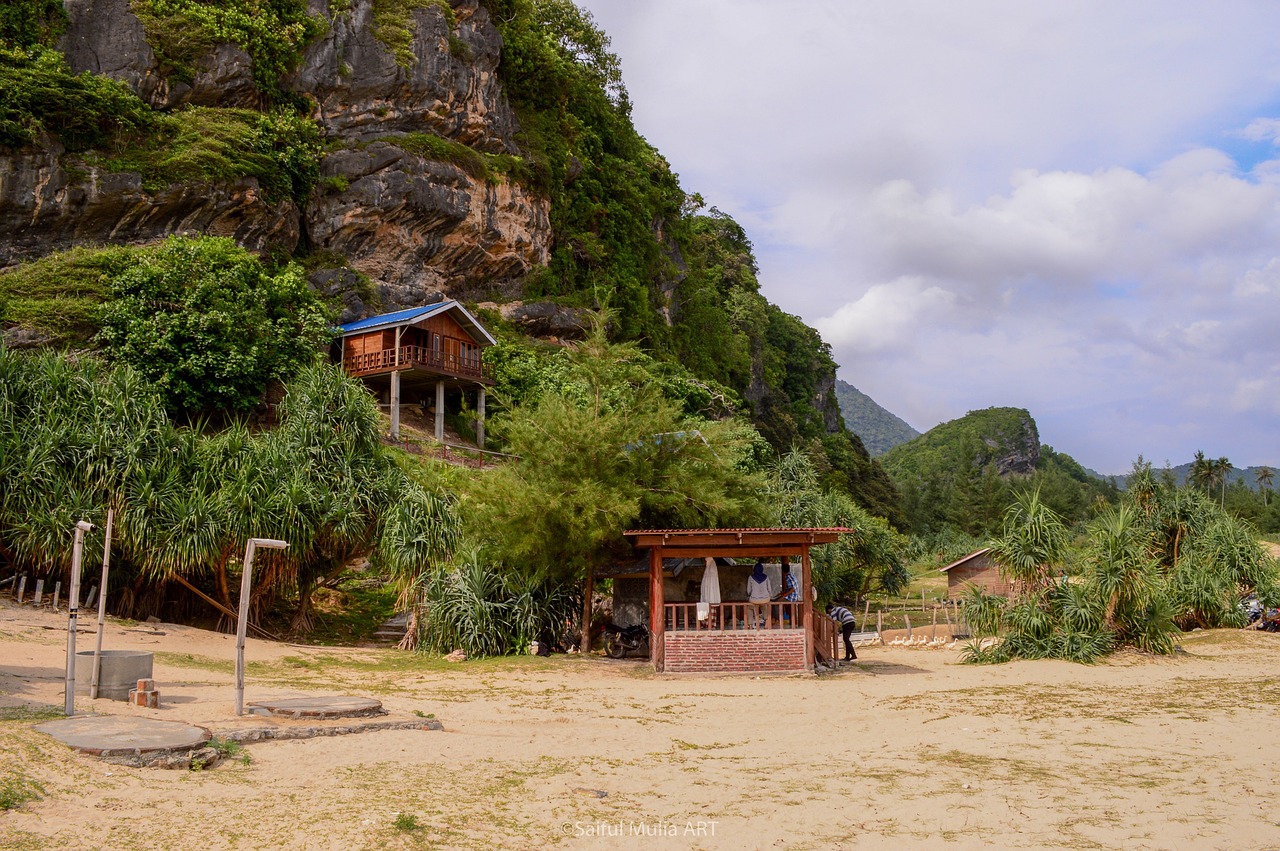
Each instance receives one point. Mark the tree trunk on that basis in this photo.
(410, 640)
(302, 621)
(588, 591)
(224, 587)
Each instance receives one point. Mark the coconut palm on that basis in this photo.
(1264, 475)
(1222, 473)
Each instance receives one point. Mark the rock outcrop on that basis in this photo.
(362, 92)
(419, 226)
(46, 206)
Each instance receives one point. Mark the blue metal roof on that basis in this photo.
(399, 317)
(416, 314)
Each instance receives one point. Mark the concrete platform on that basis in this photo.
(119, 735)
(318, 706)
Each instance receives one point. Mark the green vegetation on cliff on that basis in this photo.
(273, 33)
(963, 473)
(202, 318)
(59, 298)
(25, 23)
(39, 95)
(210, 145)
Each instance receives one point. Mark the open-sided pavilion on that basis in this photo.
(733, 636)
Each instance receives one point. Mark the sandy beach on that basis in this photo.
(907, 748)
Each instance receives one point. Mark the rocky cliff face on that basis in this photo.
(1013, 450)
(48, 204)
(416, 226)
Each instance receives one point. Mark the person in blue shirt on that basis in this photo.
(790, 591)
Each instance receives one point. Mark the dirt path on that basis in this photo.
(909, 747)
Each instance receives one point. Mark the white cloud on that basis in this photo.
(886, 315)
(1262, 130)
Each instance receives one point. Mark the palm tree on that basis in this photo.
(1202, 472)
(1264, 475)
(1222, 471)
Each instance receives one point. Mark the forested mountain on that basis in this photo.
(961, 473)
(880, 429)
(387, 154)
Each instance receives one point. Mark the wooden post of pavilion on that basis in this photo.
(657, 614)
(806, 608)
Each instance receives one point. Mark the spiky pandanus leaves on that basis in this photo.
(72, 435)
(1032, 544)
(77, 437)
(486, 610)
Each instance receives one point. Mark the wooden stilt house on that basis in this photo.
(731, 635)
(411, 354)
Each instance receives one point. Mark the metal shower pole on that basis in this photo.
(242, 622)
(102, 608)
(77, 551)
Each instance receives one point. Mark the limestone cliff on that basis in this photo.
(416, 225)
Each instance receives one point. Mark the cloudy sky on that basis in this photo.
(1071, 207)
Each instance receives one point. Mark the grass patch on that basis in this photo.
(30, 713)
(17, 789)
(61, 295)
(207, 144)
(433, 147)
(481, 166)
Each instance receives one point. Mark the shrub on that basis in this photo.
(274, 33)
(204, 320)
(39, 94)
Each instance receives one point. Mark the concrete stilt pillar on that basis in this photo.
(440, 411)
(480, 417)
(395, 405)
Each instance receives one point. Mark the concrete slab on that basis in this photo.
(318, 706)
(121, 735)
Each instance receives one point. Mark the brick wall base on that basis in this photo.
(746, 651)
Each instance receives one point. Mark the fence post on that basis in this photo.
(39, 593)
(934, 635)
(880, 625)
(908, 617)
(22, 588)
(57, 592)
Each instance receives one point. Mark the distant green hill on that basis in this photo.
(879, 429)
(962, 473)
(1247, 476)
